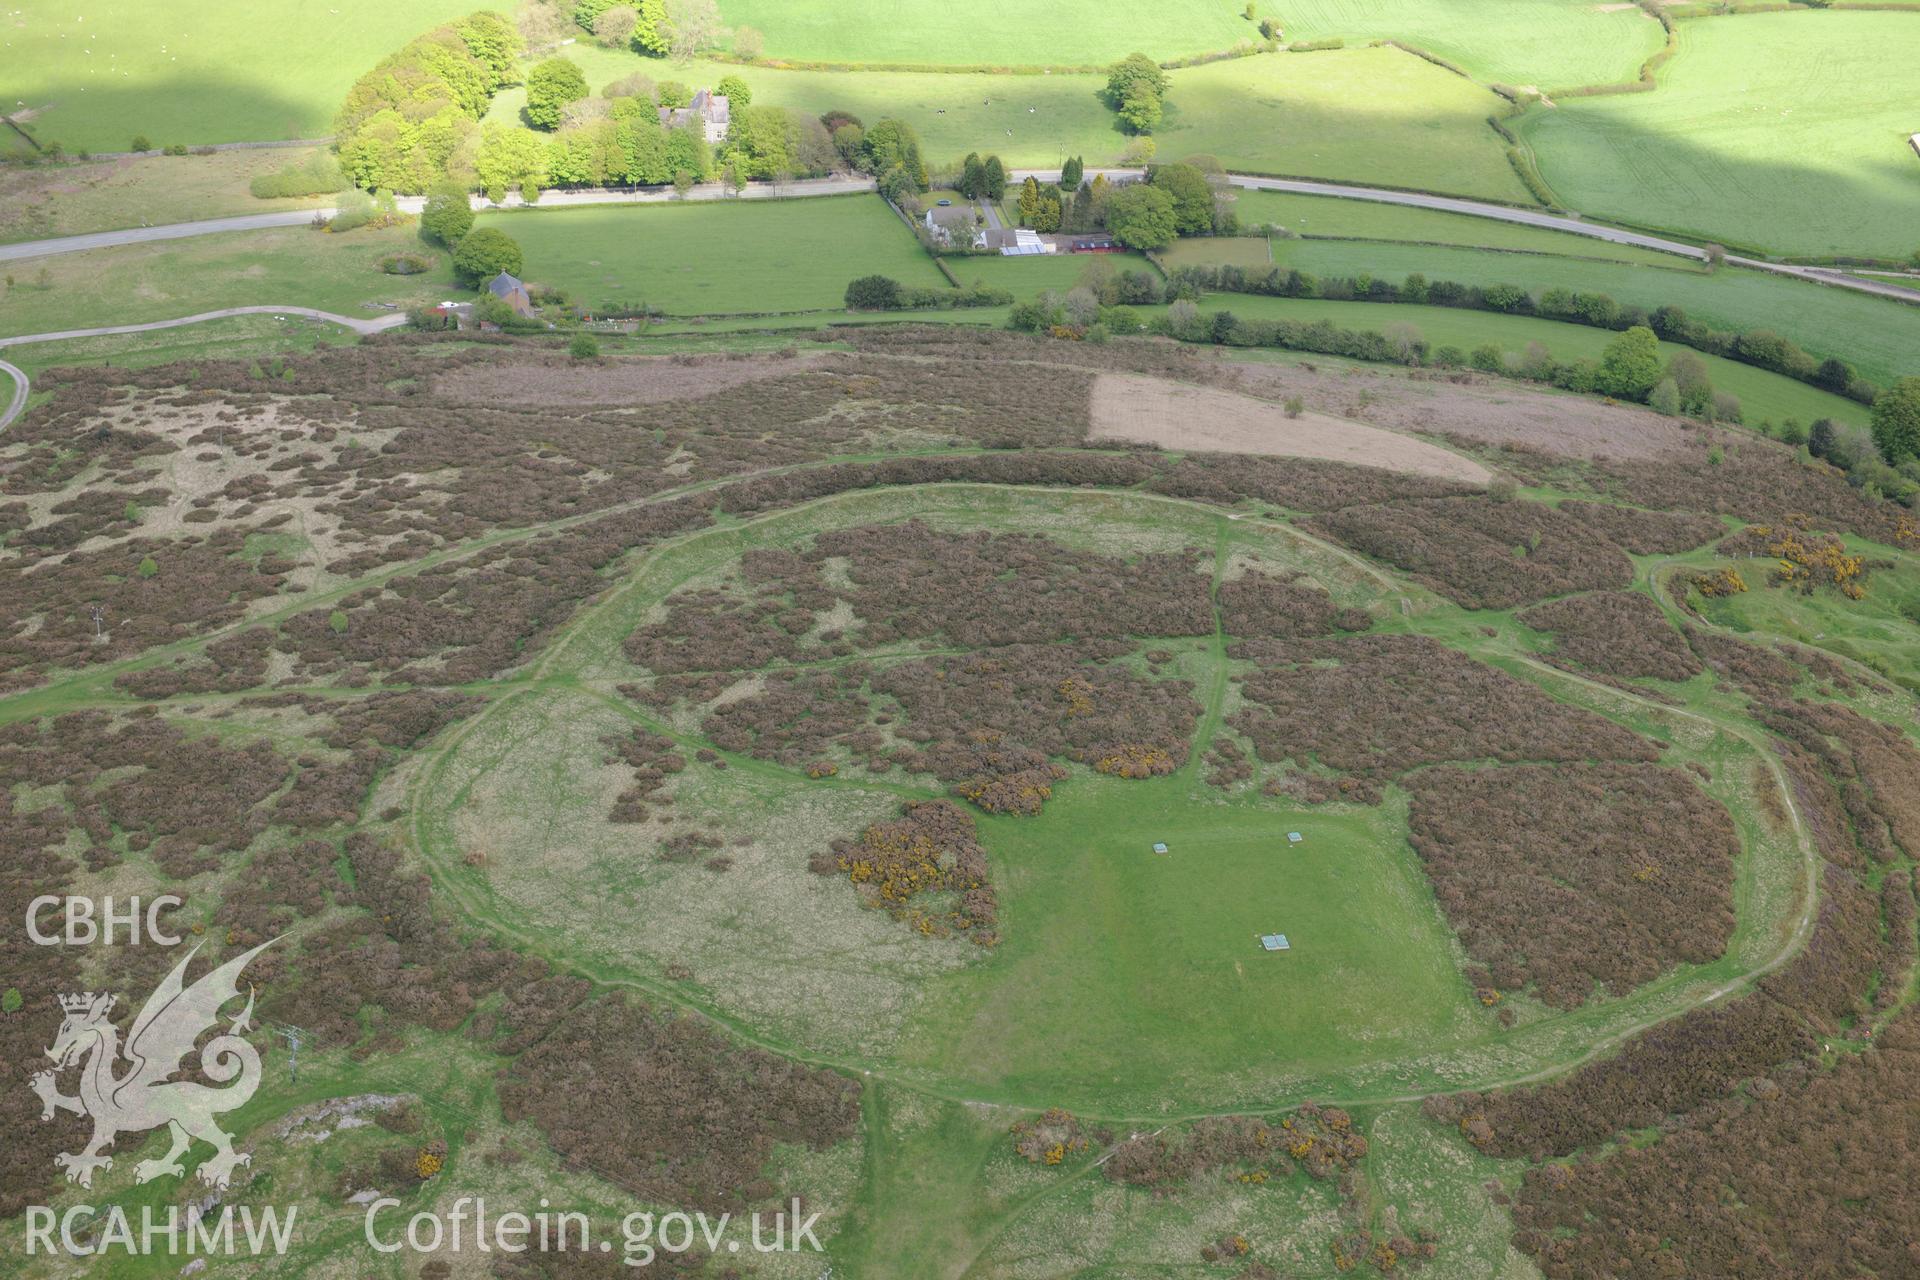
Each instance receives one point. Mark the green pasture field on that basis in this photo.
(997, 33)
(718, 258)
(199, 71)
(1550, 44)
(107, 195)
(168, 279)
(1369, 220)
(1782, 130)
(1029, 276)
(1764, 396)
(1218, 251)
(1366, 115)
(1878, 336)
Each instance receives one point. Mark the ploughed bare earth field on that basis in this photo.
(1476, 408)
(1171, 416)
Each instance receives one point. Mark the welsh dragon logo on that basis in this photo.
(142, 1097)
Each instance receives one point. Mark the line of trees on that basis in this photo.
(1175, 200)
(679, 29)
(622, 142)
(884, 293)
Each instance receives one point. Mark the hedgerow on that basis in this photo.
(1761, 348)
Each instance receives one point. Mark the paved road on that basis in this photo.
(413, 204)
(139, 235)
(19, 375)
(848, 186)
(663, 195)
(1528, 217)
(1445, 204)
(355, 323)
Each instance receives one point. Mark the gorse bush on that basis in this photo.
(405, 264)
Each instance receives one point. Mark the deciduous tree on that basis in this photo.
(873, 293)
(1896, 421)
(1142, 217)
(448, 215)
(690, 27)
(484, 254)
(550, 87)
(510, 157)
(1192, 196)
(1631, 364)
(1135, 87)
(615, 27)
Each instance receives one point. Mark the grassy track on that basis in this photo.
(994, 33)
(1550, 43)
(1878, 336)
(194, 71)
(704, 259)
(1763, 395)
(1782, 130)
(1368, 115)
(166, 279)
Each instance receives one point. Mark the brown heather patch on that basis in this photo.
(1567, 878)
(669, 1108)
(1375, 707)
(551, 380)
(1484, 555)
(1617, 633)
